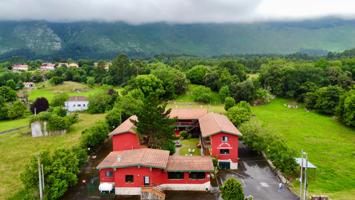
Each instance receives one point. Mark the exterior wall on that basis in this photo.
(125, 141)
(157, 177)
(72, 106)
(232, 145)
(104, 178)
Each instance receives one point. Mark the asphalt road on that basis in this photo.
(257, 178)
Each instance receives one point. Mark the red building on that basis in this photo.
(218, 135)
(130, 168)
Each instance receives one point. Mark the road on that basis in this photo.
(257, 177)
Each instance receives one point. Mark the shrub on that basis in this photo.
(202, 94)
(59, 99)
(90, 81)
(232, 190)
(95, 135)
(228, 103)
(275, 148)
(100, 102)
(239, 113)
(197, 74)
(224, 92)
(263, 96)
(170, 146)
(113, 118)
(39, 105)
(16, 110)
(60, 169)
(184, 134)
(56, 80)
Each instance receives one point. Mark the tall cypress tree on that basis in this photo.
(154, 124)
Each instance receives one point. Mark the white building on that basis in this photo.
(19, 67)
(47, 67)
(29, 85)
(76, 103)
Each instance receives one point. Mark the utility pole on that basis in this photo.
(305, 177)
(301, 175)
(40, 180)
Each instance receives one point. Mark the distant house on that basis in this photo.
(29, 85)
(73, 65)
(47, 67)
(62, 65)
(19, 67)
(76, 103)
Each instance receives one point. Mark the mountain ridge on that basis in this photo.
(100, 40)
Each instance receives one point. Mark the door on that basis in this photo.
(224, 165)
(146, 180)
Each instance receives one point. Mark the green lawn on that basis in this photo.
(71, 88)
(189, 144)
(329, 144)
(10, 124)
(16, 149)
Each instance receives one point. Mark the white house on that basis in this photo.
(47, 67)
(76, 103)
(19, 67)
(29, 85)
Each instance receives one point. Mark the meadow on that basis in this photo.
(17, 148)
(47, 90)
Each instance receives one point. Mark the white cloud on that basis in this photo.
(175, 11)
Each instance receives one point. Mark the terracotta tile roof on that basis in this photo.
(190, 163)
(78, 98)
(188, 113)
(137, 157)
(213, 123)
(126, 126)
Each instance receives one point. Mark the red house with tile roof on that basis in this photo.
(130, 167)
(218, 136)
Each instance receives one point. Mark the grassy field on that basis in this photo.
(329, 144)
(10, 124)
(16, 149)
(189, 144)
(71, 88)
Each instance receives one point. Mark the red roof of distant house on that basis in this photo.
(187, 113)
(154, 158)
(126, 126)
(213, 123)
(189, 163)
(77, 98)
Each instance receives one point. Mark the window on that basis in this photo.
(84, 105)
(129, 179)
(175, 175)
(109, 173)
(224, 139)
(197, 175)
(79, 105)
(224, 151)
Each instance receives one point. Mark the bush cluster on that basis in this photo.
(275, 148)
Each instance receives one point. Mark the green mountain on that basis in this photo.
(40, 39)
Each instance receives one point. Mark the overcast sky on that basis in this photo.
(174, 11)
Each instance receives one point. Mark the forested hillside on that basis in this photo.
(39, 39)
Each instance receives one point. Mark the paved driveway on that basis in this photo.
(257, 178)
